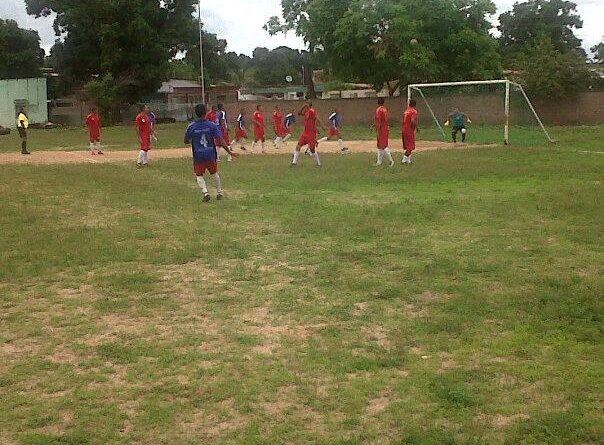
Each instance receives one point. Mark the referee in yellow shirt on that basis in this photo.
(22, 124)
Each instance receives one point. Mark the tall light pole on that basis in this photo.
(202, 77)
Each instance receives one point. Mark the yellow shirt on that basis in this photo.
(22, 118)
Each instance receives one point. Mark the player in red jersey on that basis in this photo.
(259, 128)
(279, 127)
(212, 115)
(382, 129)
(93, 122)
(409, 128)
(309, 136)
(144, 132)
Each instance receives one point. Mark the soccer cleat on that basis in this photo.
(206, 198)
(219, 197)
(391, 163)
(100, 153)
(139, 165)
(25, 152)
(344, 149)
(377, 164)
(293, 165)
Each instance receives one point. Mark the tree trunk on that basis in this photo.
(392, 89)
(309, 82)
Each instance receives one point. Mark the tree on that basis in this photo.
(556, 19)
(549, 73)
(132, 42)
(20, 52)
(598, 52)
(369, 41)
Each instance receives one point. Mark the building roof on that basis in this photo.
(172, 84)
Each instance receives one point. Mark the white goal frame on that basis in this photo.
(508, 84)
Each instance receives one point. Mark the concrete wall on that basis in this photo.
(586, 109)
(32, 92)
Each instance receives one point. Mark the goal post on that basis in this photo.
(508, 84)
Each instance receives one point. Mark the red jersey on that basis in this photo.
(310, 122)
(381, 117)
(212, 116)
(278, 121)
(258, 118)
(93, 122)
(408, 120)
(143, 123)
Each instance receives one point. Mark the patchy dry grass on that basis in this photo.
(454, 302)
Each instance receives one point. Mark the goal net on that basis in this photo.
(491, 111)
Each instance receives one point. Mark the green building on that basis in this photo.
(27, 93)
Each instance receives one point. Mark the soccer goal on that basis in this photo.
(489, 104)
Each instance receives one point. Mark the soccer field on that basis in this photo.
(456, 301)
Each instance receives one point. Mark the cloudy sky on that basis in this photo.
(240, 22)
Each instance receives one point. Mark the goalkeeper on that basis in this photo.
(458, 121)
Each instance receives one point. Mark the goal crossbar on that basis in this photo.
(508, 83)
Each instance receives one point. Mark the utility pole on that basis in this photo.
(202, 77)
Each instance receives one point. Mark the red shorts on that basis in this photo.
(334, 132)
(382, 139)
(145, 142)
(259, 134)
(308, 139)
(409, 141)
(201, 167)
(226, 136)
(240, 134)
(95, 136)
(280, 132)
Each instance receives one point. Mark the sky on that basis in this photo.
(240, 22)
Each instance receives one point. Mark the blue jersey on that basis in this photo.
(222, 116)
(290, 120)
(202, 135)
(336, 120)
(241, 122)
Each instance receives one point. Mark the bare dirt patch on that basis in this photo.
(84, 157)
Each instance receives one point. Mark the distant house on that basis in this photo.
(223, 92)
(175, 99)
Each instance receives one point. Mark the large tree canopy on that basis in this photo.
(555, 19)
(20, 52)
(131, 41)
(369, 41)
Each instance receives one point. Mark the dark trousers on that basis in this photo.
(23, 136)
(457, 130)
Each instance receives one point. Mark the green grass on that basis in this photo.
(171, 136)
(458, 301)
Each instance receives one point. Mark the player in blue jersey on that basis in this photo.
(241, 132)
(203, 136)
(335, 130)
(289, 122)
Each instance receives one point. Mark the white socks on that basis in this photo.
(263, 146)
(296, 157)
(278, 142)
(287, 136)
(143, 158)
(92, 147)
(388, 154)
(216, 177)
(317, 160)
(202, 185)
(407, 159)
(341, 144)
(315, 155)
(380, 157)
(323, 139)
